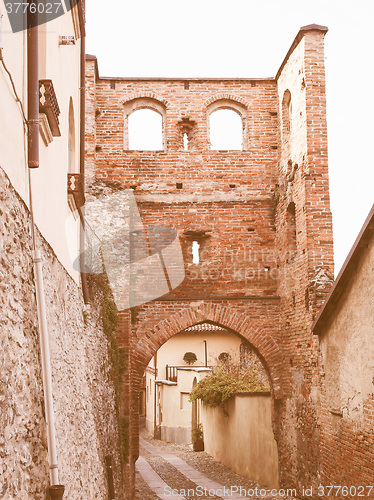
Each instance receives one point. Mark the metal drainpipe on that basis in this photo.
(32, 90)
(155, 399)
(33, 162)
(82, 157)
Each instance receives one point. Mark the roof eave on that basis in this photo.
(345, 274)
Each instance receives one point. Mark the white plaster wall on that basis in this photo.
(176, 421)
(172, 352)
(149, 401)
(50, 180)
(12, 131)
(176, 409)
(62, 65)
(347, 344)
(244, 439)
(173, 413)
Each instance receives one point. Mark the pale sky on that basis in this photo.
(250, 38)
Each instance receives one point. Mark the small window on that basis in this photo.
(195, 252)
(197, 245)
(225, 130)
(187, 128)
(145, 130)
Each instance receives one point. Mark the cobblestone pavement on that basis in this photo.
(171, 471)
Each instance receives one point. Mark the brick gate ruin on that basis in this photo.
(258, 215)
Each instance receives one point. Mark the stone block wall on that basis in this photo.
(86, 428)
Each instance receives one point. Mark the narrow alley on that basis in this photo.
(167, 470)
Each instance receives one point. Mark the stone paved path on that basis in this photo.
(170, 471)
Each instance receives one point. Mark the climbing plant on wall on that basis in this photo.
(225, 381)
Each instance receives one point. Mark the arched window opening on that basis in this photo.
(286, 115)
(291, 226)
(225, 130)
(185, 141)
(145, 130)
(72, 164)
(144, 124)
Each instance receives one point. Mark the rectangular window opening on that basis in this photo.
(195, 252)
(184, 400)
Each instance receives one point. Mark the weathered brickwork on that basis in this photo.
(260, 215)
(307, 265)
(86, 427)
(347, 449)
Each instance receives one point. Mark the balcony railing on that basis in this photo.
(49, 106)
(172, 371)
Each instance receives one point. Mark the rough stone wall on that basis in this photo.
(306, 257)
(235, 203)
(347, 409)
(83, 394)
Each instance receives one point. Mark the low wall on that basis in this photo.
(178, 435)
(244, 439)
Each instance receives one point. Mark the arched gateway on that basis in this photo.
(222, 315)
(229, 212)
(147, 342)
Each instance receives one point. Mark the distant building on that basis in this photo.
(168, 385)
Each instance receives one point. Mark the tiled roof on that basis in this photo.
(205, 327)
(346, 273)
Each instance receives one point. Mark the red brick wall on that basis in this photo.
(347, 451)
(247, 280)
(306, 268)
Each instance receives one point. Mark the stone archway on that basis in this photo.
(147, 345)
(225, 316)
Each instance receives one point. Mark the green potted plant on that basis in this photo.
(197, 437)
(189, 358)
